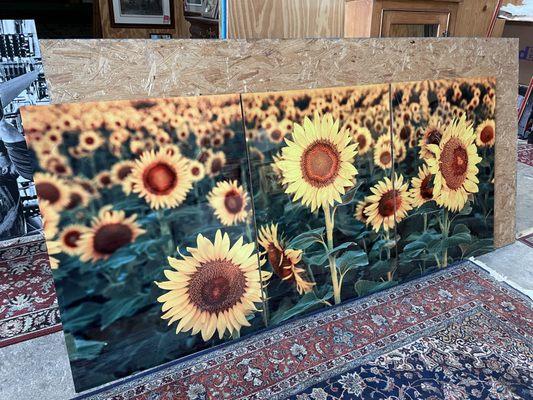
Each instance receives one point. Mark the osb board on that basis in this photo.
(179, 30)
(261, 19)
(83, 70)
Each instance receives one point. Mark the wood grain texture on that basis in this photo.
(260, 19)
(179, 30)
(91, 70)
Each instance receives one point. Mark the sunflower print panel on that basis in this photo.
(316, 156)
(148, 218)
(449, 166)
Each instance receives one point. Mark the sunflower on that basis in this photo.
(383, 156)
(213, 289)
(90, 140)
(364, 139)
(283, 260)
(485, 133)
(50, 218)
(70, 238)
(215, 162)
(431, 135)
(161, 179)
(78, 196)
(360, 210)
(197, 170)
(52, 189)
(103, 180)
(454, 165)
(422, 190)
(400, 151)
(386, 202)
(121, 170)
(317, 164)
(109, 231)
(229, 201)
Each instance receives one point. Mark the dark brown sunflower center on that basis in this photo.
(361, 139)
(433, 136)
(320, 163)
(48, 191)
(74, 201)
(89, 140)
(71, 239)
(487, 134)
(405, 132)
(124, 171)
(276, 134)
(195, 171)
(217, 286)
(389, 202)
(454, 163)
(385, 157)
(216, 165)
(233, 202)
(426, 190)
(109, 238)
(105, 180)
(160, 179)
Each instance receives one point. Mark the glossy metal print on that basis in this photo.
(321, 163)
(148, 223)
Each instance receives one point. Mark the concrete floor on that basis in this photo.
(38, 369)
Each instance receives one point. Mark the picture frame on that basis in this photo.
(141, 13)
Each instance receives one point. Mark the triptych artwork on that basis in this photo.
(175, 225)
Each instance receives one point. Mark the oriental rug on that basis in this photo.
(525, 153)
(455, 334)
(28, 303)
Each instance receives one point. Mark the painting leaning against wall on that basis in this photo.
(147, 218)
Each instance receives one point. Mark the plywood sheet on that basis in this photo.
(258, 19)
(83, 70)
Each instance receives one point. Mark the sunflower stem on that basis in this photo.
(445, 232)
(425, 217)
(333, 268)
(165, 230)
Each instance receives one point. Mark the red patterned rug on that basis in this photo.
(525, 153)
(528, 239)
(455, 334)
(28, 303)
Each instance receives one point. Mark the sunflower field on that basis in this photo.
(174, 225)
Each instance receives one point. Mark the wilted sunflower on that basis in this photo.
(197, 170)
(485, 133)
(317, 164)
(90, 140)
(52, 189)
(422, 187)
(284, 261)
(162, 180)
(364, 139)
(386, 202)
(50, 218)
(431, 135)
(70, 238)
(121, 170)
(229, 201)
(360, 210)
(213, 289)
(454, 165)
(109, 231)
